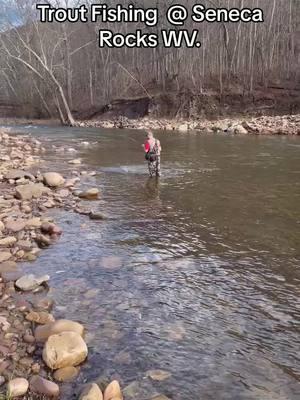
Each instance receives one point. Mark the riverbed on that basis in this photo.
(196, 274)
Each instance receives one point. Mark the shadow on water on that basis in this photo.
(196, 274)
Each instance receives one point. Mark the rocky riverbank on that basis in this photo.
(265, 125)
(37, 352)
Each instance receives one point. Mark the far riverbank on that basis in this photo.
(264, 125)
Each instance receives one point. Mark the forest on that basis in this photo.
(51, 70)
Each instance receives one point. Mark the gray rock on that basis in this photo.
(24, 245)
(43, 241)
(71, 182)
(53, 179)
(75, 162)
(34, 223)
(97, 216)
(17, 387)
(31, 282)
(11, 276)
(15, 174)
(8, 241)
(91, 392)
(158, 375)
(31, 190)
(240, 130)
(8, 266)
(16, 154)
(90, 194)
(16, 225)
(44, 387)
(5, 256)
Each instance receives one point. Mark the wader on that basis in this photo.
(154, 167)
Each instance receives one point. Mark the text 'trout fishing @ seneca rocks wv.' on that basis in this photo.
(176, 15)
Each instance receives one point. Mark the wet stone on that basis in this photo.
(66, 374)
(41, 317)
(43, 386)
(31, 282)
(5, 256)
(15, 225)
(17, 387)
(91, 392)
(158, 375)
(8, 266)
(11, 276)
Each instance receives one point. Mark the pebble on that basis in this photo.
(91, 392)
(113, 391)
(8, 266)
(42, 317)
(8, 241)
(97, 216)
(17, 387)
(158, 375)
(31, 282)
(5, 256)
(66, 374)
(43, 386)
(75, 162)
(36, 368)
(42, 333)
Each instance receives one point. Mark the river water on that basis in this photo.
(196, 274)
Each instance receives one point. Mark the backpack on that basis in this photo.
(151, 155)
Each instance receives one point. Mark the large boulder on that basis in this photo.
(29, 191)
(31, 282)
(42, 333)
(17, 387)
(113, 391)
(91, 392)
(44, 387)
(66, 349)
(53, 179)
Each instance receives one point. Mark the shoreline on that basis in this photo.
(27, 326)
(263, 125)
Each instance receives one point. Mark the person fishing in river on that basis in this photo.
(152, 149)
